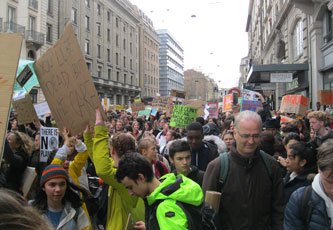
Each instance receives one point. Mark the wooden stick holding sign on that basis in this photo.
(66, 83)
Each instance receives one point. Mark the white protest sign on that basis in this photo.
(249, 95)
(49, 139)
(42, 108)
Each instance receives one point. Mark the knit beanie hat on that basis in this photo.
(53, 171)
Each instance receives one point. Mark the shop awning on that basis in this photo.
(261, 73)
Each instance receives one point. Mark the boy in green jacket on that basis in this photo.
(160, 196)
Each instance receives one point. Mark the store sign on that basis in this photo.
(281, 77)
(265, 86)
(292, 85)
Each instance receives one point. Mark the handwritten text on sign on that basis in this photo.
(48, 142)
(325, 96)
(182, 116)
(297, 104)
(65, 80)
(251, 105)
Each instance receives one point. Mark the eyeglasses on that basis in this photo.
(248, 136)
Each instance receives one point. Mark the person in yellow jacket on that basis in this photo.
(120, 202)
(75, 167)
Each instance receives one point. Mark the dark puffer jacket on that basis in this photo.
(319, 218)
(292, 185)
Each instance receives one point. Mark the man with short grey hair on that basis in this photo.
(252, 191)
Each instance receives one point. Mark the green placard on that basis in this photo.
(145, 112)
(183, 115)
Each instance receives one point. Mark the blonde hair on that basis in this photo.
(145, 143)
(24, 141)
(319, 115)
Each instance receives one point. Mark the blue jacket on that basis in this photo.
(292, 217)
(292, 186)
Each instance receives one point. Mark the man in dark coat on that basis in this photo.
(252, 195)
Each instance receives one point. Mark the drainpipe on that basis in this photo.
(309, 61)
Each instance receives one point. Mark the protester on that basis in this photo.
(262, 201)
(58, 200)
(15, 214)
(147, 147)
(228, 138)
(180, 157)
(290, 139)
(202, 152)
(311, 207)
(317, 123)
(170, 136)
(162, 211)
(119, 203)
(159, 127)
(119, 126)
(300, 162)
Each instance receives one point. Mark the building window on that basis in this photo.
(118, 100)
(124, 44)
(109, 74)
(109, 16)
(98, 28)
(98, 51)
(49, 6)
(117, 40)
(108, 33)
(329, 31)
(124, 28)
(117, 59)
(88, 3)
(99, 10)
(32, 22)
(131, 80)
(124, 61)
(130, 47)
(298, 39)
(125, 78)
(131, 64)
(11, 19)
(108, 54)
(117, 76)
(87, 47)
(117, 23)
(99, 71)
(87, 23)
(74, 16)
(89, 66)
(48, 33)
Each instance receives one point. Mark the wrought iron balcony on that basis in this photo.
(35, 37)
(11, 27)
(33, 4)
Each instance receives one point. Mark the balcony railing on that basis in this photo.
(11, 27)
(33, 4)
(35, 37)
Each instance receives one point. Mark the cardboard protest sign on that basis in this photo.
(145, 112)
(249, 95)
(200, 105)
(325, 97)
(25, 110)
(66, 83)
(286, 119)
(177, 93)
(183, 115)
(213, 110)
(160, 103)
(297, 104)
(49, 140)
(227, 102)
(137, 106)
(42, 108)
(169, 107)
(10, 46)
(251, 105)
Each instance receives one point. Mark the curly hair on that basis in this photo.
(122, 143)
(319, 115)
(24, 141)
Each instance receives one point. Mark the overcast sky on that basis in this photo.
(211, 32)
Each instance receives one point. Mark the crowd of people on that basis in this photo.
(138, 170)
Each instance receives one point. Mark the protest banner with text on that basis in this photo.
(182, 116)
(137, 106)
(66, 83)
(325, 97)
(251, 105)
(213, 110)
(160, 103)
(200, 105)
(297, 104)
(49, 139)
(10, 46)
(25, 110)
(42, 108)
(227, 102)
(249, 95)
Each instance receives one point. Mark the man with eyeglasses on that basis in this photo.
(252, 194)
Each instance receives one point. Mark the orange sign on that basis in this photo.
(227, 102)
(297, 104)
(325, 97)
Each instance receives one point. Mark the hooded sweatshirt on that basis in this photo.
(318, 188)
(168, 215)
